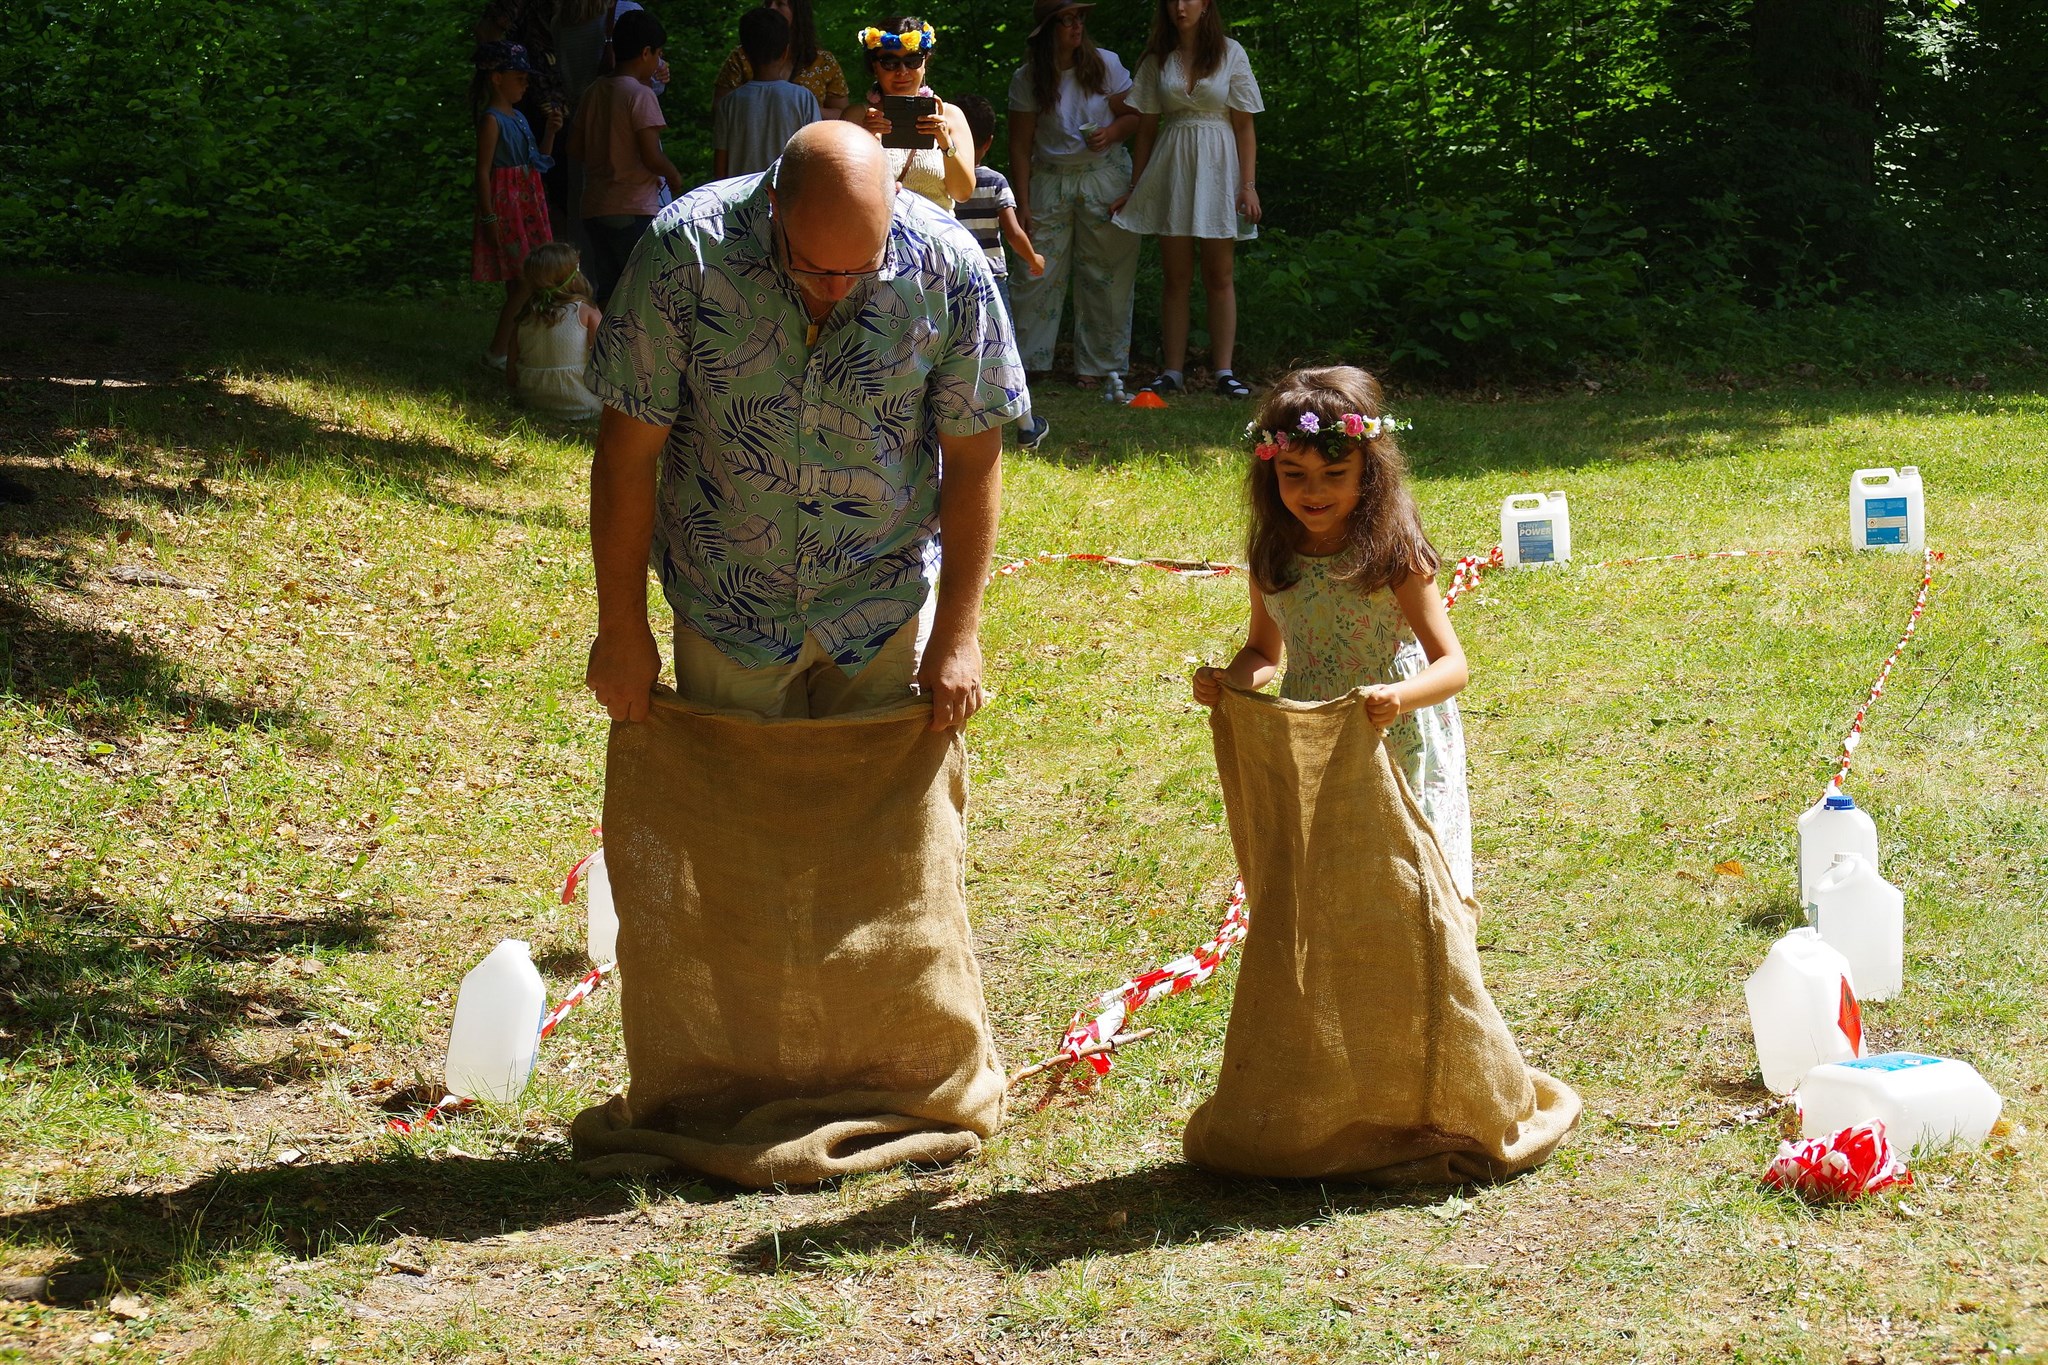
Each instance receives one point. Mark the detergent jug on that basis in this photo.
(1535, 528)
(1887, 510)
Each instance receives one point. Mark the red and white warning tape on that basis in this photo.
(1104, 1019)
(1854, 738)
(1187, 568)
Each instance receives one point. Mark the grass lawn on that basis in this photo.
(260, 811)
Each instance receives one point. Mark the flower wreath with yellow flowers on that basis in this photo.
(920, 39)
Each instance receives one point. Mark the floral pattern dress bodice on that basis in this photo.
(1339, 638)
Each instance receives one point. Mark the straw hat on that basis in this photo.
(1044, 12)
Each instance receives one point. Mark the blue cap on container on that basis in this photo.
(1840, 800)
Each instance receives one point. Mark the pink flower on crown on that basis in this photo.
(1354, 425)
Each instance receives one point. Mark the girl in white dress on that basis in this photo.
(1343, 584)
(899, 54)
(551, 342)
(1195, 175)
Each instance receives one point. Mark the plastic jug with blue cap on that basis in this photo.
(1832, 825)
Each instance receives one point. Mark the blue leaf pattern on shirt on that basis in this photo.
(799, 483)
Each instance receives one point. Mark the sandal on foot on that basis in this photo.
(1230, 386)
(1164, 384)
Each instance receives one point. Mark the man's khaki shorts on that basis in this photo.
(809, 687)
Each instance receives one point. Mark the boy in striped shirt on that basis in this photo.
(991, 216)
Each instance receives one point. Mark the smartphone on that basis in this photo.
(903, 112)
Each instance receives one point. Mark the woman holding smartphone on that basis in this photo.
(899, 56)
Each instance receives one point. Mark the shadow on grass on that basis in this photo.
(103, 679)
(1472, 439)
(1030, 1229)
(1775, 917)
(159, 1241)
(99, 984)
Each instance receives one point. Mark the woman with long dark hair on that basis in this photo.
(810, 66)
(1068, 121)
(1196, 177)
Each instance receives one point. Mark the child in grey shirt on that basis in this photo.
(752, 122)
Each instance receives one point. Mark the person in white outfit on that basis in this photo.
(551, 341)
(1196, 175)
(1069, 117)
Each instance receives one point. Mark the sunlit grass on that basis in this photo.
(255, 833)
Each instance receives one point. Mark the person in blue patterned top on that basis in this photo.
(805, 375)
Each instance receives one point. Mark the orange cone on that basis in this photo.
(1145, 398)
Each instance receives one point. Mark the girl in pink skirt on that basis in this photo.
(511, 207)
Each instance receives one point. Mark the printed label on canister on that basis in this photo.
(1884, 521)
(1892, 1061)
(1534, 542)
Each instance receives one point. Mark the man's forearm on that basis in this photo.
(622, 520)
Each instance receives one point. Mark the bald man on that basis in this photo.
(805, 375)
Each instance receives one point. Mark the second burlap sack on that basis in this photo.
(799, 990)
(1362, 1042)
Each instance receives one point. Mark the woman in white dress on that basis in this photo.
(899, 53)
(1195, 176)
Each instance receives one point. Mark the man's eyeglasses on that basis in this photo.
(873, 272)
(904, 61)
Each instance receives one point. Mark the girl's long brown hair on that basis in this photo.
(1384, 542)
(1089, 72)
(1209, 39)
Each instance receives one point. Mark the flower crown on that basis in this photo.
(1310, 431)
(920, 39)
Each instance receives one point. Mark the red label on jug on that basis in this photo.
(1850, 1020)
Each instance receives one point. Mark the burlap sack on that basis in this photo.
(1362, 1043)
(800, 994)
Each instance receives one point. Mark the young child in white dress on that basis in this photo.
(1194, 176)
(551, 343)
(1343, 585)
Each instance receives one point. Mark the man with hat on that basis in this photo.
(1069, 118)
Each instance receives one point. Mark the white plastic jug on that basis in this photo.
(601, 941)
(1887, 509)
(1863, 917)
(1535, 528)
(1829, 826)
(1926, 1103)
(1802, 1010)
(496, 1032)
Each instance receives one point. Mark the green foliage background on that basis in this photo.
(1451, 185)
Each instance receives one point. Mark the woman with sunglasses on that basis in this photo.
(899, 58)
(1068, 119)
